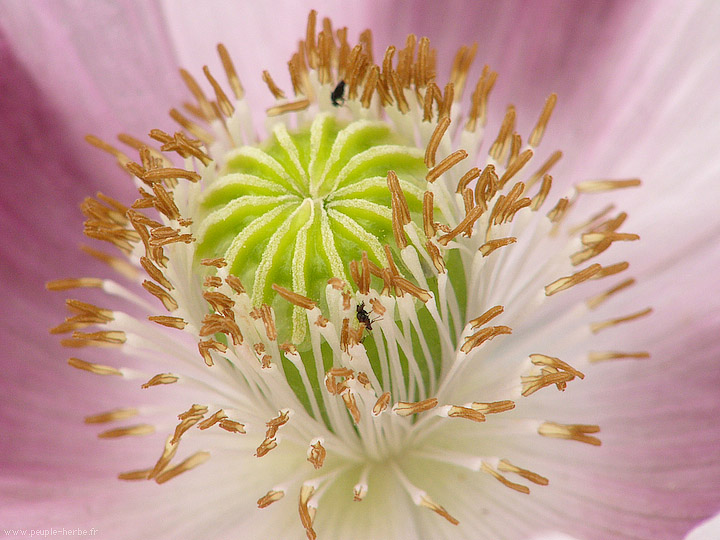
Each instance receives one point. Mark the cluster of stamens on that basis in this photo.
(383, 379)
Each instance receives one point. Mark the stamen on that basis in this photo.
(197, 459)
(222, 100)
(500, 478)
(191, 127)
(481, 336)
(535, 478)
(73, 283)
(488, 247)
(493, 407)
(98, 369)
(595, 301)
(427, 502)
(206, 109)
(486, 317)
(212, 420)
(291, 106)
(434, 141)
(544, 168)
(464, 226)
(121, 158)
(565, 283)
(516, 166)
(456, 411)
(596, 327)
(404, 408)
(595, 186)
(499, 146)
(558, 211)
(556, 363)
(121, 266)
(533, 383)
(445, 165)
(137, 430)
(134, 475)
(161, 378)
(155, 273)
(168, 453)
(317, 454)
(167, 300)
(294, 298)
(206, 346)
(306, 515)
(349, 399)
(539, 199)
(539, 130)
(615, 355)
(274, 90)
(381, 404)
(109, 338)
(217, 262)
(269, 498)
(112, 416)
(468, 177)
(575, 432)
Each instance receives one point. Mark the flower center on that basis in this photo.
(295, 212)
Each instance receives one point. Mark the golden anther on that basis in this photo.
(574, 279)
(488, 247)
(595, 186)
(112, 416)
(193, 461)
(481, 336)
(294, 298)
(217, 262)
(98, 369)
(596, 327)
(73, 283)
(539, 129)
(269, 498)
(445, 165)
(167, 300)
(539, 199)
(615, 355)
(486, 317)
(535, 478)
(575, 432)
(434, 141)
(161, 378)
(168, 453)
(494, 406)
(405, 408)
(500, 478)
(316, 455)
(349, 399)
(307, 514)
(381, 404)
(427, 502)
(139, 429)
(467, 413)
(291, 106)
(206, 346)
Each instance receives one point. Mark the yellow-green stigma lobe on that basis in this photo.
(296, 211)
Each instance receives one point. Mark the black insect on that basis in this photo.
(338, 95)
(363, 316)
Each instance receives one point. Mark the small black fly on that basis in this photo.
(338, 95)
(363, 316)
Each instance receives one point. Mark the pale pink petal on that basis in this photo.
(708, 530)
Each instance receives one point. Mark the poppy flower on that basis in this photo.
(382, 302)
